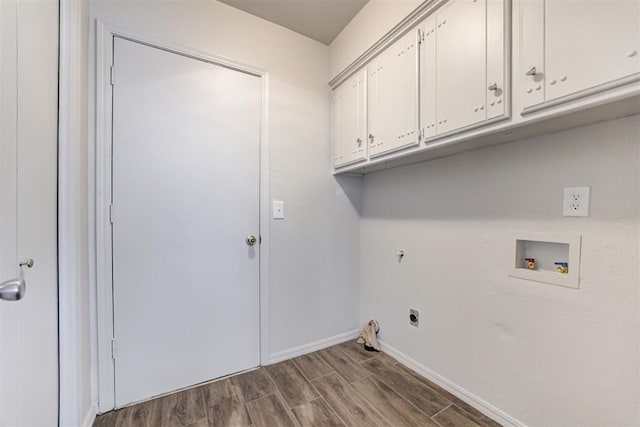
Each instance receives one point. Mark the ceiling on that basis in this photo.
(321, 20)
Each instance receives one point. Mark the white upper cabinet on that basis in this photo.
(446, 75)
(461, 64)
(349, 121)
(470, 63)
(428, 78)
(498, 59)
(571, 49)
(393, 97)
(530, 75)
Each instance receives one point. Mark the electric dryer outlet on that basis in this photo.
(414, 317)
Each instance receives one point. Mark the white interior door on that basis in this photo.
(28, 147)
(185, 194)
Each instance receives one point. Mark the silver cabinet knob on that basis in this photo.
(359, 141)
(493, 86)
(12, 290)
(251, 240)
(531, 71)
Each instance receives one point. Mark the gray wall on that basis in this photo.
(544, 354)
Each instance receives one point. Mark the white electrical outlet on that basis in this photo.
(576, 201)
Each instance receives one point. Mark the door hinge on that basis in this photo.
(111, 76)
(111, 213)
(113, 349)
(419, 36)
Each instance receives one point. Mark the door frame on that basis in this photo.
(102, 172)
(70, 114)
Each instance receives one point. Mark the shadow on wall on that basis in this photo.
(352, 188)
(520, 180)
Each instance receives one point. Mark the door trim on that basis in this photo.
(70, 199)
(102, 172)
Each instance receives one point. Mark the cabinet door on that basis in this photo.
(428, 78)
(336, 127)
(393, 97)
(354, 115)
(349, 126)
(461, 64)
(497, 86)
(530, 74)
(590, 43)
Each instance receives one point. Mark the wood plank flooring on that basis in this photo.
(340, 386)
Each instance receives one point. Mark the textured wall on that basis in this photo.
(544, 354)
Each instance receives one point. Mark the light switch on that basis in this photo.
(278, 209)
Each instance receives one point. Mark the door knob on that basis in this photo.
(493, 86)
(251, 240)
(531, 71)
(12, 290)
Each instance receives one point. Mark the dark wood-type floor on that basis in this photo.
(342, 385)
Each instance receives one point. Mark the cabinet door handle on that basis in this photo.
(493, 86)
(359, 141)
(531, 71)
(371, 137)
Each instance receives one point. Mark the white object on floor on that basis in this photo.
(368, 335)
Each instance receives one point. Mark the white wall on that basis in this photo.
(370, 24)
(314, 251)
(543, 354)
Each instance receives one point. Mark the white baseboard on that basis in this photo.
(314, 346)
(473, 400)
(90, 418)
